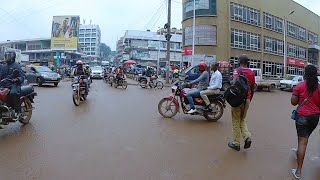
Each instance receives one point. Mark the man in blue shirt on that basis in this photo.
(214, 86)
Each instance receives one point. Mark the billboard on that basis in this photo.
(65, 31)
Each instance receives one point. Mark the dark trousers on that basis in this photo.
(15, 102)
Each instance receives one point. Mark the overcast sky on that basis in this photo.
(21, 19)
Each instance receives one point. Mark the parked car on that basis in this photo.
(291, 82)
(193, 73)
(97, 72)
(41, 75)
(262, 82)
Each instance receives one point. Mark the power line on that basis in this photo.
(155, 14)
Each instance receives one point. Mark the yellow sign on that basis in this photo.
(65, 31)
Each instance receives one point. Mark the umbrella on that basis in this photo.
(149, 64)
(130, 62)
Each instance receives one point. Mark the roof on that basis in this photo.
(25, 40)
(147, 35)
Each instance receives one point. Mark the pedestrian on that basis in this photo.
(239, 124)
(307, 96)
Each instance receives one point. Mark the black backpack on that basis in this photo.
(238, 92)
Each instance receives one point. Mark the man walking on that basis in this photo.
(239, 124)
(214, 86)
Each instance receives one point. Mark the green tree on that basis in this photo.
(106, 50)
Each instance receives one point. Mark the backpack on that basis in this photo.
(237, 93)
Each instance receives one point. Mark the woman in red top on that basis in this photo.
(308, 91)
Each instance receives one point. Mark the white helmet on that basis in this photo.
(79, 62)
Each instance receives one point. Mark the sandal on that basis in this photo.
(294, 171)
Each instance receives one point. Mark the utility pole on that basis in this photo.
(168, 36)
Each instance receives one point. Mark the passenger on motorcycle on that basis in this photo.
(82, 71)
(119, 74)
(202, 81)
(214, 86)
(148, 75)
(12, 70)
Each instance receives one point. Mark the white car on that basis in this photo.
(97, 72)
(291, 82)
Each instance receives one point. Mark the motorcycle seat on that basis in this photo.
(25, 90)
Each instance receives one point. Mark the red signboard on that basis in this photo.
(186, 51)
(296, 62)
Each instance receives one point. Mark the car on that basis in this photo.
(290, 82)
(41, 75)
(97, 72)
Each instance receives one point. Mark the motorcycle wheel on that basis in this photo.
(124, 84)
(159, 85)
(214, 116)
(165, 106)
(27, 111)
(143, 83)
(76, 98)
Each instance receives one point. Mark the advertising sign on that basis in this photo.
(65, 31)
(296, 62)
(186, 51)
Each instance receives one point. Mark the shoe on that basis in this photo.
(192, 111)
(247, 143)
(233, 146)
(294, 173)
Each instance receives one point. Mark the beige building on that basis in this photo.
(227, 28)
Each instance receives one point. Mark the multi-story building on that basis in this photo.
(146, 46)
(258, 28)
(89, 39)
(39, 50)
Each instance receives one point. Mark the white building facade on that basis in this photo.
(146, 46)
(90, 39)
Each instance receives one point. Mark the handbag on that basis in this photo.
(294, 115)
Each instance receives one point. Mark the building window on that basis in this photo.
(244, 14)
(88, 35)
(245, 40)
(81, 31)
(297, 32)
(203, 8)
(81, 35)
(272, 23)
(313, 57)
(87, 44)
(204, 35)
(272, 70)
(93, 53)
(93, 49)
(93, 40)
(87, 40)
(94, 34)
(81, 40)
(87, 49)
(88, 30)
(312, 38)
(296, 51)
(93, 44)
(94, 30)
(273, 46)
(294, 70)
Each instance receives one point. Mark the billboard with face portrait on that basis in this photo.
(65, 31)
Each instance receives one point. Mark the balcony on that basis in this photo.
(314, 46)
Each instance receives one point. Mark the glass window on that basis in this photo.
(93, 40)
(94, 34)
(296, 51)
(87, 40)
(273, 46)
(297, 32)
(272, 70)
(93, 44)
(81, 35)
(244, 14)
(272, 22)
(81, 40)
(93, 49)
(245, 40)
(88, 30)
(203, 8)
(312, 38)
(204, 35)
(94, 30)
(81, 31)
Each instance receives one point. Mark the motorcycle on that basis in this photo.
(154, 82)
(121, 82)
(171, 104)
(79, 90)
(7, 113)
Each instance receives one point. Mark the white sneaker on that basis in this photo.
(192, 111)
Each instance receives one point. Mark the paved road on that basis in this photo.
(119, 135)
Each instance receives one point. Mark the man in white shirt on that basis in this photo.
(214, 86)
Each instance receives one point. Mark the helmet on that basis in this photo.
(79, 62)
(10, 56)
(202, 66)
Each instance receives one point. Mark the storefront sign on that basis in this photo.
(296, 62)
(186, 51)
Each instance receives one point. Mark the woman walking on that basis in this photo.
(307, 96)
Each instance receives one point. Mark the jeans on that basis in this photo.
(86, 84)
(205, 93)
(239, 124)
(190, 94)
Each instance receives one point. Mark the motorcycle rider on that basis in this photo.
(119, 74)
(214, 86)
(148, 75)
(12, 70)
(81, 71)
(203, 81)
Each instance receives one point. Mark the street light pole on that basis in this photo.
(285, 45)
(193, 30)
(168, 41)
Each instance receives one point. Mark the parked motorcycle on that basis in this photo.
(7, 113)
(79, 90)
(154, 82)
(169, 106)
(121, 82)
